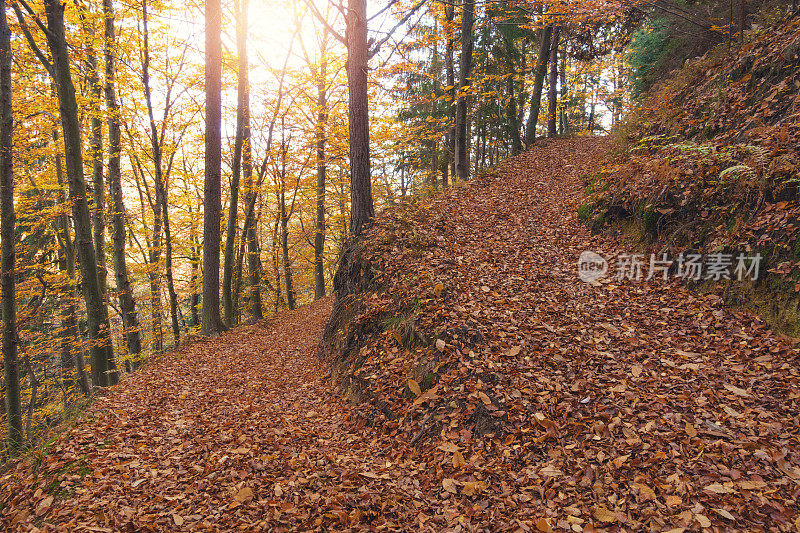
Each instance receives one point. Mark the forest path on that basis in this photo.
(628, 405)
(209, 438)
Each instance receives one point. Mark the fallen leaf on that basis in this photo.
(737, 391)
(44, 505)
(449, 485)
(604, 515)
(449, 447)
(724, 514)
(458, 460)
(414, 386)
(438, 289)
(702, 520)
(544, 526)
(244, 495)
(645, 492)
(718, 488)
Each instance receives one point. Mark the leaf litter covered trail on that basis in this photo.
(547, 404)
(220, 436)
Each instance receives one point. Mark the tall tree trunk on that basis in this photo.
(538, 83)
(321, 132)
(563, 123)
(194, 265)
(96, 154)
(127, 304)
(436, 71)
(154, 272)
(240, 8)
(465, 71)
(70, 340)
(7, 221)
(276, 264)
(103, 372)
(254, 268)
(511, 115)
(449, 11)
(173, 296)
(212, 192)
(287, 263)
(362, 210)
(552, 94)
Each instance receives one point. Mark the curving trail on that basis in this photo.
(628, 406)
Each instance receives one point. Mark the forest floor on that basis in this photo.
(629, 406)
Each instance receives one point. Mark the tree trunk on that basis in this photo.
(70, 339)
(511, 116)
(321, 132)
(563, 123)
(173, 296)
(127, 304)
(287, 263)
(154, 272)
(449, 12)
(96, 154)
(7, 259)
(552, 95)
(194, 265)
(212, 193)
(362, 210)
(465, 70)
(240, 9)
(254, 267)
(538, 83)
(103, 372)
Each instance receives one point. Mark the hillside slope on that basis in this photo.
(521, 391)
(710, 161)
(498, 392)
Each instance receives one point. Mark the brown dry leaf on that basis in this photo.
(645, 492)
(470, 488)
(458, 460)
(702, 520)
(636, 370)
(440, 345)
(513, 352)
(724, 514)
(619, 461)
(544, 526)
(414, 386)
(737, 391)
(550, 471)
(690, 430)
(438, 289)
(752, 485)
(448, 447)
(484, 398)
(244, 495)
(178, 519)
(44, 505)
(718, 488)
(449, 485)
(673, 500)
(604, 515)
